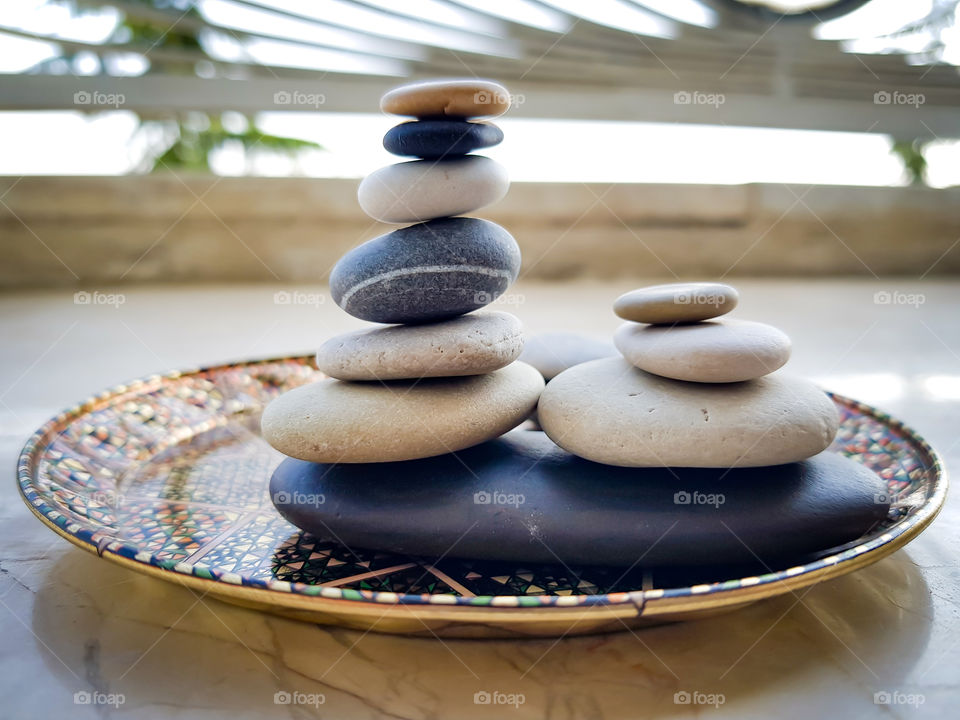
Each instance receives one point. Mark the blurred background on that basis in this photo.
(222, 140)
(178, 178)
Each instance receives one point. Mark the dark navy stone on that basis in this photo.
(433, 139)
(426, 272)
(521, 498)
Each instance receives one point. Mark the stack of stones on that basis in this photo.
(690, 390)
(438, 379)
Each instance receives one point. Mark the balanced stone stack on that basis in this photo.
(407, 440)
(438, 379)
(690, 390)
(693, 400)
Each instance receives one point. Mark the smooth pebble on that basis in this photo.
(467, 345)
(465, 98)
(676, 302)
(553, 352)
(611, 412)
(334, 421)
(426, 272)
(426, 189)
(718, 351)
(433, 139)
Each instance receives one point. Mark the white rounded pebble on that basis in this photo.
(425, 189)
(718, 351)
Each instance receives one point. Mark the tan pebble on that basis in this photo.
(717, 351)
(467, 345)
(611, 412)
(335, 421)
(468, 98)
(676, 302)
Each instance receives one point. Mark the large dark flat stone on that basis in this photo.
(570, 510)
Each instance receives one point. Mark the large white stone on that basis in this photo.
(611, 412)
(335, 421)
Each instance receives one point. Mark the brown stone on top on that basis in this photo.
(468, 98)
(676, 302)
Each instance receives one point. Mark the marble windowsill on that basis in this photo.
(71, 623)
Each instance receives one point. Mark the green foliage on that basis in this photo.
(199, 135)
(910, 153)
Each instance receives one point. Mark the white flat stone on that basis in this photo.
(335, 421)
(611, 412)
(425, 189)
(718, 351)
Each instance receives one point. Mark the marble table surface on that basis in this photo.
(77, 628)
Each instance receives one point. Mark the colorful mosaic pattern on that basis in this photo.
(170, 471)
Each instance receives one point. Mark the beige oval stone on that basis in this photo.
(553, 352)
(335, 421)
(611, 412)
(466, 345)
(426, 189)
(676, 302)
(468, 98)
(718, 351)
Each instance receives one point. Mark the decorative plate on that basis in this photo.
(168, 476)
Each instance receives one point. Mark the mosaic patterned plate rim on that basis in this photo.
(282, 594)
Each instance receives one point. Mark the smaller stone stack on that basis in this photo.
(438, 380)
(690, 390)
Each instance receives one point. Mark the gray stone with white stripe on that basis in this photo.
(426, 272)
